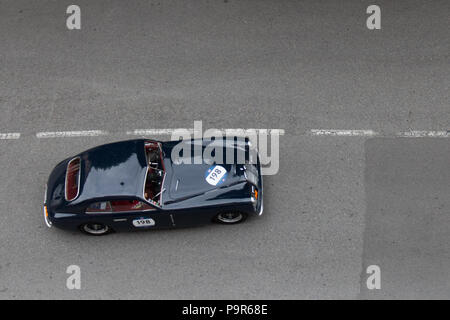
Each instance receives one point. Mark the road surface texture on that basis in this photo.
(338, 204)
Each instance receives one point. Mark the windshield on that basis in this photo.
(154, 182)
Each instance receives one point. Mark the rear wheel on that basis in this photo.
(95, 229)
(230, 217)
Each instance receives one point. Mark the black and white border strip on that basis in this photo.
(9, 136)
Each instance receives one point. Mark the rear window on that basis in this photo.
(73, 179)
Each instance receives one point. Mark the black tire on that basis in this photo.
(230, 217)
(95, 229)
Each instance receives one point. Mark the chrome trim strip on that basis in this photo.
(262, 207)
(162, 189)
(99, 212)
(145, 182)
(262, 196)
(47, 222)
(78, 182)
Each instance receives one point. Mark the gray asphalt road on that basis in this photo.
(407, 217)
(337, 205)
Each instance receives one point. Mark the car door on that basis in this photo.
(130, 214)
(193, 216)
(136, 214)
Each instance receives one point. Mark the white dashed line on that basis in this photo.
(242, 131)
(343, 133)
(239, 131)
(422, 134)
(9, 136)
(236, 132)
(64, 134)
(157, 132)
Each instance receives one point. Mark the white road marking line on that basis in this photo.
(9, 136)
(421, 134)
(63, 134)
(343, 133)
(314, 132)
(143, 132)
(157, 132)
(240, 131)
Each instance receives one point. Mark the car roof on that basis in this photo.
(113, 170)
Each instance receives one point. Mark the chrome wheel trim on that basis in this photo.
(230, 217)
(95, 228)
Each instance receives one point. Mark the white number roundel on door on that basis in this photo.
(143, 222)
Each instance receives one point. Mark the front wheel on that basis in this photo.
(95, 229)
(230, 217)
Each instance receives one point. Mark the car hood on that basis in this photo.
(195, 177)
(190, 180)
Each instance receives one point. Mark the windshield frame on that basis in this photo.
(158, 203)
(78, 178)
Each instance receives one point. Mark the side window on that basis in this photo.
(129, 205)
(99, 207)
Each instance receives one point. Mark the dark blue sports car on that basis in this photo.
(137, 184)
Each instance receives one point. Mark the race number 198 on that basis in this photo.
(215, 175)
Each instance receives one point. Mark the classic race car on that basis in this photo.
(135, 184)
